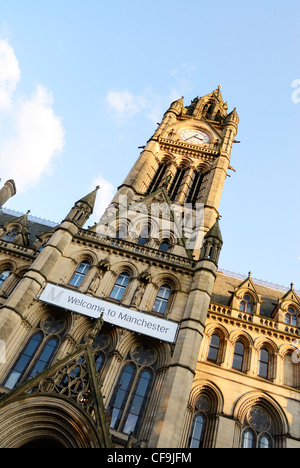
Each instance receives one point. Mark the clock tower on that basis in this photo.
(168, 206)
(187, 158)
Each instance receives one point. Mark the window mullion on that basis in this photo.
(128, 402)
(32, 364)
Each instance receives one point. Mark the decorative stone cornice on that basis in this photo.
(186, 149)
(91, 238)
(265, 326)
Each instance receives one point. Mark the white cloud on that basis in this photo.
(10, 74)
(34, 135)
(104, 196)
(124, 104)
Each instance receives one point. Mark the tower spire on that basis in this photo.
(83, 208)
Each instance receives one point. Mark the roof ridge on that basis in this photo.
(260, 282)
(35, 219)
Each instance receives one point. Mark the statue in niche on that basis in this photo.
(171, 135)
(103, 266)
(138, 295)
(96, 281)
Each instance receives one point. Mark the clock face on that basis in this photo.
(195, 137)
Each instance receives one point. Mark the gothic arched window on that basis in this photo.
(121, 395)
(263, 363)
(203, 427)
(238, 356)
(198, 430)
(264, 441)
(162, 299)
(214, 347)
(209, 109)
(23, 361)
(10, 235)
(137, 401)
(158, 176)
(291, 317)
(38, 352)
(176, 182)
(45, 356)
(4, 275)
(246, 304)
(258, 429)
(120, 286)
(121, 233)
(144, 236)
(248, 439)
(196, 185)
(80, 273)
(164, 246)
(132, 390)
(101, 347)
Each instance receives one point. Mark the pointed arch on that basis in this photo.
(205, 404)
(211, 390)
(51, 418)
(159, 172)
(241, 335)
(270, 407)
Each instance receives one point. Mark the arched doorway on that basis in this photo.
(43, 420)
(42, 443)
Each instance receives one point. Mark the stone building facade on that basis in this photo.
(126, 334)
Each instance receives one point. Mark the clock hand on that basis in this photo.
(189, 137)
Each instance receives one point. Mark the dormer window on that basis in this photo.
(246, 304)
(10, 235)
(291, 317)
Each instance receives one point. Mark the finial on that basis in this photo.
(292, 285)
(95, 330)
(249, 274)
(167, 181)
(97, 187)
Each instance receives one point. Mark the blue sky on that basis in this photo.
(82, 85)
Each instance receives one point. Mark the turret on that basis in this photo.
(176, 106)
(209, 107)
(83, 209)
(7, 191)
(212, 244)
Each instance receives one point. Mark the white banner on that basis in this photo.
(133, 320)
